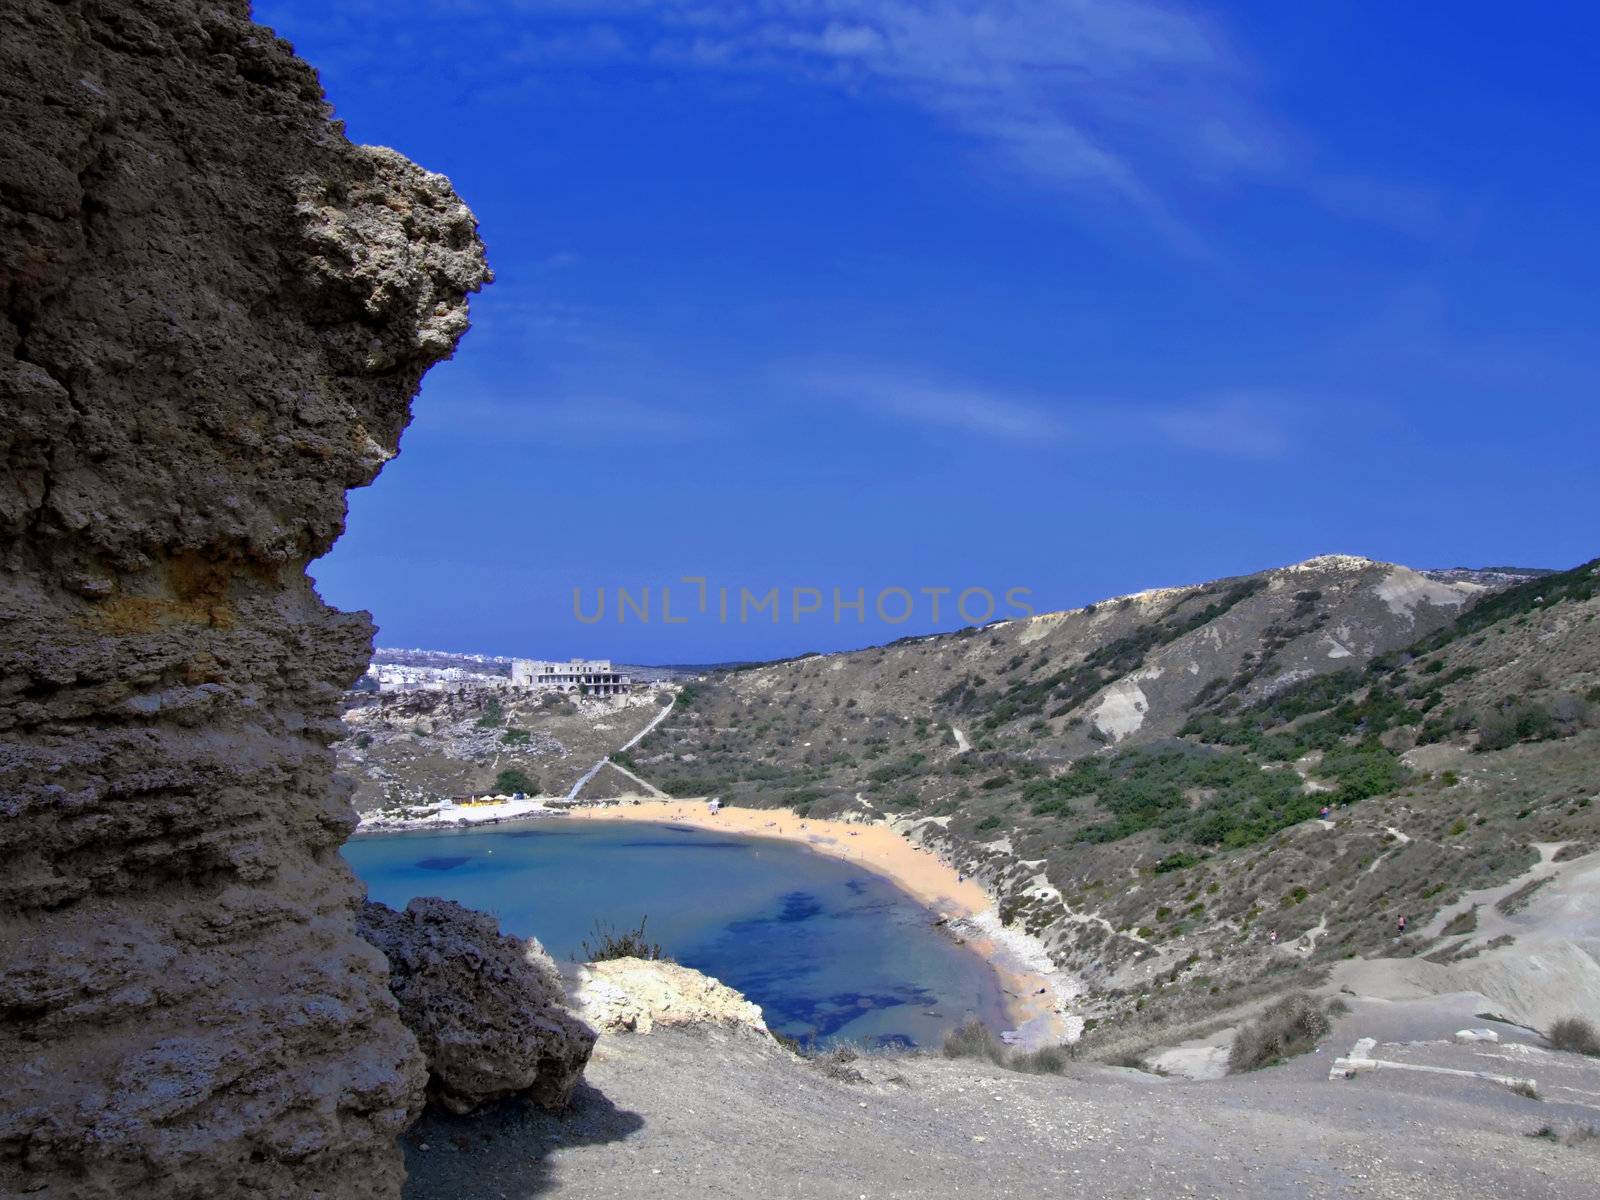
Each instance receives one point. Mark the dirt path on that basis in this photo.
(583, 780)
(651, 788)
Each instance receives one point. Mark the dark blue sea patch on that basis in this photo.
(442, 864)
(823, 1016)
(795, 908)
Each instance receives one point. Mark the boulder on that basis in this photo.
(488, 1010)
(636, 994)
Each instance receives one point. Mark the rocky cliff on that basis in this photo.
(216, 310)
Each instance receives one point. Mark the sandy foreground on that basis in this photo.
(1035, 995)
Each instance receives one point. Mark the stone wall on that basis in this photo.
(214, 311)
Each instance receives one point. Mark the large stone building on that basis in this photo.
(590, 676)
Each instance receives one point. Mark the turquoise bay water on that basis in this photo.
(827, 949)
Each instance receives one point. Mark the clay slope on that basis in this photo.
(216, 310)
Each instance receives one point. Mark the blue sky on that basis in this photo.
(1080, 296)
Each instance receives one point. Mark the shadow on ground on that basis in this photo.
(505, 1150)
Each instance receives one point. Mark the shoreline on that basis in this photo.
(1033, 993)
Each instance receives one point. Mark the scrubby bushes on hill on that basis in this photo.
(973, 1039)
(1530, 721)
(1290, 1027)
(1152, 789)
(1575, 1035)
(513, 780)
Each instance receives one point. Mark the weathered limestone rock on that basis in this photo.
(636, 994)
(488, 1010)
(214, 310)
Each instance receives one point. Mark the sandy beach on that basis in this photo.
(1034, 995)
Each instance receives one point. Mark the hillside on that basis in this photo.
(1141, 780)
(410, 749)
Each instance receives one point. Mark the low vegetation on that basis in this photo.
(838, 1063)
(1047, 1060)
(513, 780)
(973, 1039)
(1572, 1135)
(1290, 1027)
(1464, 922)
(611, 942)
(1576, 1036)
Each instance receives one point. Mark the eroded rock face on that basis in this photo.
(488, 1010)
(634, 995)
(214, 310)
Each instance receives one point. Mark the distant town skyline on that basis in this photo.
(1082, 299)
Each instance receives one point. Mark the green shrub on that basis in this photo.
(1527, 721)
(515, 779)
(1290, 1027)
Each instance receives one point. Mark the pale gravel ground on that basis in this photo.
(690, 1114)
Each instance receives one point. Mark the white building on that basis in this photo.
(590, 676)
(394, 677)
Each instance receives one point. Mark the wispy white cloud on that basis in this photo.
(1145, 106)
(923, 403)
(1126, 100)
(1237, 425)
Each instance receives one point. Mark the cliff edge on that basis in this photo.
(216, 310)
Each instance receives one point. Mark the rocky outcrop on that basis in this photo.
(635, 995)
(214, 311)
(488, 1010)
